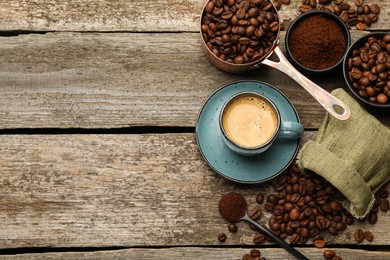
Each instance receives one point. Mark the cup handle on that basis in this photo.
(290, 130)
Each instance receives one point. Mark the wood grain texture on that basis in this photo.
(122, 190)
(89, 80)
(122, 15)
(202, 253)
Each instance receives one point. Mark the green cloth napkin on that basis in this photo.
(353, 155)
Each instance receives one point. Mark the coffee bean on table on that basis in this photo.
(222, 237)
(260, 198)
(368, 236)
(372, 218)
(349, 220)
(255, 213)
(232, 227)
(258, 238)
(358, 235)
(255, 253)
(384, 193)
(294, 239)
(384, 205)
(319, 243)
(329, 254)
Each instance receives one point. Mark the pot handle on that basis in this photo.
(326, 100)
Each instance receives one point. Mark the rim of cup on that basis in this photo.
(249, 93)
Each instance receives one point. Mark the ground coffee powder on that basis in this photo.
(232, 207)
(317, 42)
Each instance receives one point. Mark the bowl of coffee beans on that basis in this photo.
(316, 42)
(238, 34)
(366, 69)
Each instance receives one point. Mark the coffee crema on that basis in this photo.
(250, 121)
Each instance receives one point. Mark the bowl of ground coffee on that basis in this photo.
(317, 41)
(366, 69)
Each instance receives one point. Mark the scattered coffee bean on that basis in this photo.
(255, 253)
(329, 254)
(232, 227)
(384, 204)
(358, 235)
(319, 243)
(255, 212)
(384, 193)
(258, 238)
(222, 237)
(372, 218)
(260, 198)
(368, 236)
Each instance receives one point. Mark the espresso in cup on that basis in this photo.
(250, 123)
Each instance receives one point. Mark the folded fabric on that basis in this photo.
(353, 155)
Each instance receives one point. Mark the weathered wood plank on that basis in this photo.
(122, 190)
(73, 80)
(122, 15)
(201, 253)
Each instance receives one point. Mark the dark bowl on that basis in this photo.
(355, 46)
(293, 60)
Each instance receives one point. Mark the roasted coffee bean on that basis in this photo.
(358, 235)
(368, 236)
(384, 205)
(255, 213)
(232, 227)
(222, 237)
(333, 231)
(255, 253)
(294, 239)
(329, 254)
(305, 8)
(294, 214)
(260, 198)
(273, 199)
(384, 193)
(372, 218)
(375, 8)
(268, 206)
(319, 243)
(341, 226)
(322, 222)
(259, 238)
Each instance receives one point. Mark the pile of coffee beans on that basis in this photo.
(239, 31)
(358, 13)
(305, 206)
(369, 69)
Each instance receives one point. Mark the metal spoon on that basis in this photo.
(237, 211)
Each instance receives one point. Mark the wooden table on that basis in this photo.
(98, 157)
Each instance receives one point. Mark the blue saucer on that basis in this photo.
(231, 165)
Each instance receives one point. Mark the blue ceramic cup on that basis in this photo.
(251, 122)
